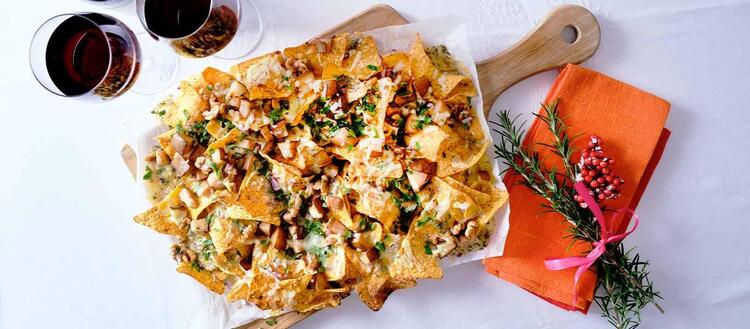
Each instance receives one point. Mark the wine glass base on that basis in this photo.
(248, 35)
(159, 66)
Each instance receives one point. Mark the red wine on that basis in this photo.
(176, 18)
(77, 56)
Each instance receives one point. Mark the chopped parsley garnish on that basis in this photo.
(196, 265)
(425, 220)
(347, 235)
(271, 322)
(210, 219)
(427, 249)
(363, 224)
(275, 115)
(265, 242)
(314, 227)
(422, 121)
(261, 165)
(148, 173)
(404, 197)
(380, 246)
(215, 168)
(372, 67)
(321, 253)
(417, 146)
(160, 113)
(365, 106)
(207, 249)
(225, 123)
(196, 131)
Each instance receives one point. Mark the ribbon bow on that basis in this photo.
(583, 263)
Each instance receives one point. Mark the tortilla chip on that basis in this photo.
(213, 280)
(335, 264)
(362, 59)
(412, 260)
(189, 106)
(379, 205)
(453, 85)
(314, 59)
(421, 65)
(159, 218)
(232, 136)
(255, 201)
(342, 212)
(399, 62)
(427, 142)
(489, 203)
(264, 77)
(217, 78)
(165, 141)
(462, 149)
(229, 263)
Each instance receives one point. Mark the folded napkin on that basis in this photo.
(631, 124)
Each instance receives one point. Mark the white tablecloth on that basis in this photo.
(71, 257)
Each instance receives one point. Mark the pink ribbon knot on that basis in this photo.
(583, 263)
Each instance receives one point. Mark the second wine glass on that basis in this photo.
(201, 28)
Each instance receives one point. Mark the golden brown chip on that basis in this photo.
(427, 142)
(217, 78)
(462, 149)
(379, 205)
(213, 280)
(489, 203)
(399, 62)
(362, 59)
(160, 218)
(264, 77)
(255, 200)
(318, 54)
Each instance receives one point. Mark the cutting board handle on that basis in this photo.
(545, 48)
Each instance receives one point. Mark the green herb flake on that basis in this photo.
(380, 246)
(425, 220)
(148, 173)
(271, 322)
(427, 249)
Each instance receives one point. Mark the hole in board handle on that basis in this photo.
(570, 34)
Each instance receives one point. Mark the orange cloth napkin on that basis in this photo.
(631, 124)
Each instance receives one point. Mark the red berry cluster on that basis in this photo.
(595, 169)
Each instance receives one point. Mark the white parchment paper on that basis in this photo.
(213, 311)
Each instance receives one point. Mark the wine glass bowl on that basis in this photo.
(201, 28)
(87, 55)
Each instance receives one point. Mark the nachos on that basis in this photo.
(299, 177)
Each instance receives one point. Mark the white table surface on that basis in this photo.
(71, 257)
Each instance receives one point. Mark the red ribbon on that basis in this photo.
(583, 263)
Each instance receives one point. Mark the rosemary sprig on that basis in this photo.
(622, 275)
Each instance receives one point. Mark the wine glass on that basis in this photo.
(201, 28)
(94, 56)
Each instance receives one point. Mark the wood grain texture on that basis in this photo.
(541, 50)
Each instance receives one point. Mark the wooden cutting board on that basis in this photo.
(545, 48)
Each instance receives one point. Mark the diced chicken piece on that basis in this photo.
(440, 113)
(178, 143)
(204, 189)
(181, 166)
(342, 137)
(214, 181)
(217, 157)
(188, 198)
(234, 102)
(288, 149)
(278, 238)
(331, 170)
(202, 164)
(244, 108)
(236, 89)
(417, 179)
(199, 225)
(410, 127)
